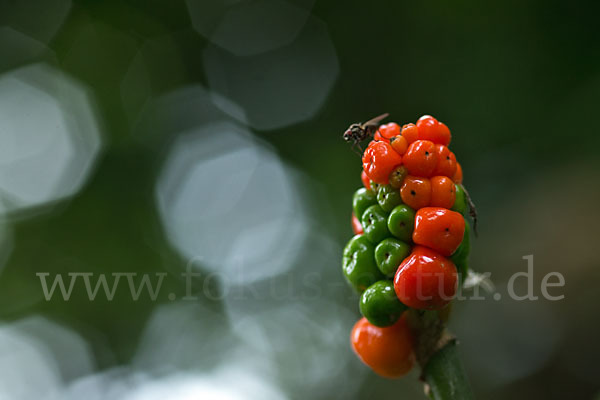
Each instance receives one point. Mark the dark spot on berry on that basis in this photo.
(447, 157)
(412, 192)
(387, 256)
(402, 224)
(447, 229)
(426, 153)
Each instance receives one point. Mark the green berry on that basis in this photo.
(460, 257)
(374, 222)
(460, 202)
(358, 263)
(388, 197)
(401, 222)
(363, 199)
(380, 305)
(389, 254)
(375, 187)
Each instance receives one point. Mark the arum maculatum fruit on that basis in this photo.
(412, 242)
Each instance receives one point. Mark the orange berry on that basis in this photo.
(443, 192)
(387, 350)
(410, 132)
(390, 130)
(399, 144)
(439, 229)
(458, 176)
(430, 129)
(446, 161)
(420, 158)
(379, 160)
(416, 192)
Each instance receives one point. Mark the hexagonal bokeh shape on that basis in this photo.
(180, 110)
(279, 88)
(228, 203)
(49, 16)
(49, 137)
(18, 49)
(249, 27)
(6, 244)
(51, 354)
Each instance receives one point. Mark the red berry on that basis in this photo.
(356, 225)
(458, 175)
(387, 350)
(443, 192)
(446, 161)
(365, 180)
(431, 129)
(421, 158)
(377, 137)
(439, 229)
(425, 280)
(379, 161)
(390, 130)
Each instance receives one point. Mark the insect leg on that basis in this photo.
(353, 148)
(472, 209)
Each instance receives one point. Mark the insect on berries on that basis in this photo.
(359, 132)
(411, 245)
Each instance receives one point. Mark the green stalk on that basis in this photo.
(445, 375)
(437, 354)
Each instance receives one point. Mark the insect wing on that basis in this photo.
(376, 120)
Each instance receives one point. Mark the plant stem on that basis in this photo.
(445, 375)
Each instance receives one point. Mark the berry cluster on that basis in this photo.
(412, 241)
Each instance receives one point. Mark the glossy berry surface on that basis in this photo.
(416, 192)
(400, 144)
(388, 197)
(379, 160)
(374, 223)
(389, 254)
(426, 280)
(421, 158)
(433, 130)
(363, 198)
(460, 201)
(460, 257)
(380, 305)
(390, 130)
(401, 222)
(410, 133)
(358, 263)
(386, 350)
(443, 192)
(458, 175)
(446, 161)
(365, 180)
(439, 229)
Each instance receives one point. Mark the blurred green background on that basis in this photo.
(146, 136)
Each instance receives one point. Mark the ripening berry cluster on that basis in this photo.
(412, 240)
